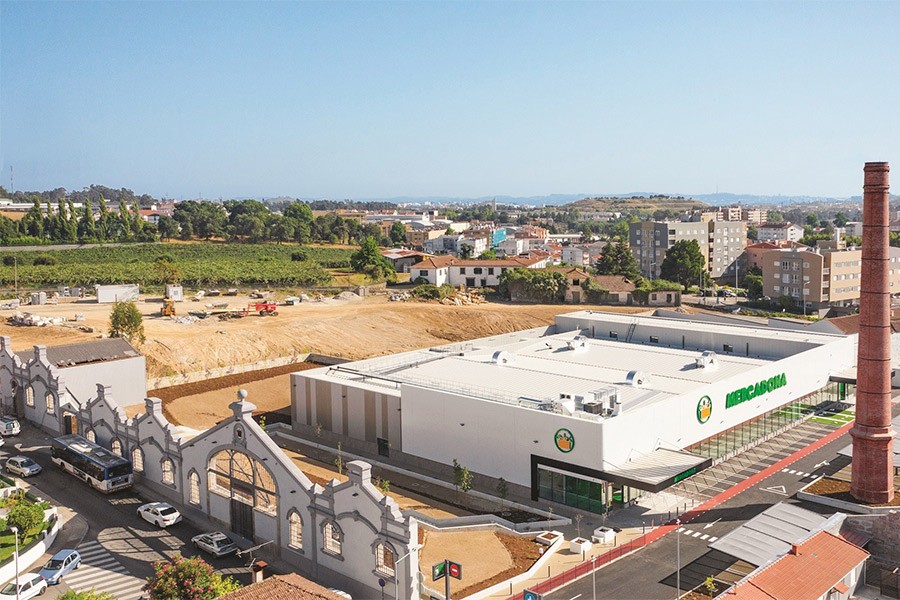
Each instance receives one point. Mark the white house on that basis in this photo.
(577, 256)
(512, 246)
(439, 270)
(772, 232)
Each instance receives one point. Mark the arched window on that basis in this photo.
(137, 460)
(29, 396)
(116, 447)
(194, 481)
(51, 404)
(238, 476)
(333, 537)
(168, 471)
(296, 537)
(384, 559)
(90, 436)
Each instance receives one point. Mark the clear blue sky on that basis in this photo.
(375, 99)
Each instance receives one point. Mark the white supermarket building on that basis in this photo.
(590, 412)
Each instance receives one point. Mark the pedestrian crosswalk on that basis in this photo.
(100, 571)
(795, 472)
(697, 534)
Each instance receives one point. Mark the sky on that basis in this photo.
(380, 99)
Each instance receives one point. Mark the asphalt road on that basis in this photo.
(650, 573)
(119, 547)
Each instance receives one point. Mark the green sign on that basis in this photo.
(684, 475)
(755, 390)
(564, 440)
(704, 409)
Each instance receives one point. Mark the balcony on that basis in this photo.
(826, 271)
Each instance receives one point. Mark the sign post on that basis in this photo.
(446, 569)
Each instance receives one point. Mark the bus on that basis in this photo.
(91, 463)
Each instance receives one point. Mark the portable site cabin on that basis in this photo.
(175, 293)
(116, 293)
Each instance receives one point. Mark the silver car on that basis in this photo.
(216, 543)
(22, 466)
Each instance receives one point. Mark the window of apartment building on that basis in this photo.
(795, 278)
(805, 265)
(795, 265)
(777, 288)
(671, 232)
(384, 559)
(296, 534)
(478, 270)
(784, 265)
(168, 471)
(333, 537)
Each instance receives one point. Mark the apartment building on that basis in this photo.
(721, 243)
(577, 256)
(776, 232)
(821, 276)
(417, 237)
(753, 216)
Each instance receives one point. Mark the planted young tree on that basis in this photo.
(466, 479)
(339, 460)
(502, 490)
(25, 516)
(187, 579)
(126, 321)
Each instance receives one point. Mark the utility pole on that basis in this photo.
(677, 560)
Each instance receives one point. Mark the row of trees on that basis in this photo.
(65, 224)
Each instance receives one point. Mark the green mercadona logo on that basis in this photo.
(564, 440)
(704, 409)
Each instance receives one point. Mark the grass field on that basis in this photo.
(202, 264)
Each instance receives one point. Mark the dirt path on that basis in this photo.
(352, 329)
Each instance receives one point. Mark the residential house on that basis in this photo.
(439, 270)
(774, 232)
(434, 270)
(403, 259)
(512, 246)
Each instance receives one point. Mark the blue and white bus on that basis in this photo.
(91, 463)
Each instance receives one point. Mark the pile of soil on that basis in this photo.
(524, 553)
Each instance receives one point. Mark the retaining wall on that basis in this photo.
(164, 382)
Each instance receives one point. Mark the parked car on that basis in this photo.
(161, 514)
(30, 585)
(22, 466)
(62, 563)
(216, 543)
(9, 426)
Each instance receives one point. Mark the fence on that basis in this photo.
(551, 583)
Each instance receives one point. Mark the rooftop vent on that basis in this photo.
(707, 360)
(502, 357)
(637, 378)
(578, 343)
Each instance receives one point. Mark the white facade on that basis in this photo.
(774, 232)
(499, 405)
(512, 246)
(116, 293)
(192, 470)
(576, 256)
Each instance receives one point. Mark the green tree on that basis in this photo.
(368, 260)
(398, 232)
(187, 579)
(840, 219)
(168, 227)
(26, 517)
(87, 595)
(465, 251)
(166, 269)
(617, 259)
(812, 220)
(281, 229)
(489, 254)
(502, 489)
(754, 285)
(86, 227)
(466, 479)
(33, 222)
(126, 321)
(684, 263)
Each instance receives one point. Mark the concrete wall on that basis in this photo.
(127, 376)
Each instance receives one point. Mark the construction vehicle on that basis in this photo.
(168, 308)
(263, 308)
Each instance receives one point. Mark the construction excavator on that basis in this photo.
(168, 308)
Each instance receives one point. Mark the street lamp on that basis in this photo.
(15, 531)
(397, 571)
(677, 560)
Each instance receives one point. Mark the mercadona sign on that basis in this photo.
(756, 390)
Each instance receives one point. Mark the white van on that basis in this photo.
(9, 426)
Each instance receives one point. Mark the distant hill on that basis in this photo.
(638, 204)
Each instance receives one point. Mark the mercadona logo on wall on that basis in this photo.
(704, 409)
(564, 440)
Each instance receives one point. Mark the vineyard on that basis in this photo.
(201, 264)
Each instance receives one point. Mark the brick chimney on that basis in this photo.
(872, 433)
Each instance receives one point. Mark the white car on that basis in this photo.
(30, 585)
(22, 466)
(161, 514)
(215, 543)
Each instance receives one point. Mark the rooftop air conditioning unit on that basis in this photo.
(637, 378)
(594, 408)
(707, 360)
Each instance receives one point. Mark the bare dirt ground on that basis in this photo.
(499, 557)
(352, 329)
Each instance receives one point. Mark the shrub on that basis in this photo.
(25, 516)
(300, 256)
(44, 259)
(9, 260)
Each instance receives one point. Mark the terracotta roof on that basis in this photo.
(441, 262)
(762, 246)
(282, 587)
(614, 283)
(435, 262)
(850, 323)
(809, 571)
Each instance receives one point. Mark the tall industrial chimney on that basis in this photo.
(873, 458)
